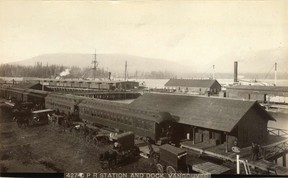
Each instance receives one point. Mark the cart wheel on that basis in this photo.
(159, 168)
(170, 170)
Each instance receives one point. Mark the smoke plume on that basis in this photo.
(65, 72)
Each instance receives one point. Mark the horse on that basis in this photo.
(21, 117)
(108, 159)
(21, 121)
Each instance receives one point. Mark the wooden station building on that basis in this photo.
(211, 120)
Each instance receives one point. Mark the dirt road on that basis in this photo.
(47, 149)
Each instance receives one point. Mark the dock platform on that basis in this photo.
(219, 152)
(209, 168)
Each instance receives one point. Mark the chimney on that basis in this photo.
(235, 72)
(109, 75)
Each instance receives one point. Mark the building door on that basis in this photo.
(265, 98)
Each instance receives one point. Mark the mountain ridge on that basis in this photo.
(114, 62)
(249, 61)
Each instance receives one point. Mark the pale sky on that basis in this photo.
(186, 31)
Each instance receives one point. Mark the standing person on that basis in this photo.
(54, 120)
(64, 124)
(57, 112)
(62, 113)
(169, 133)
(85, 130)
(255, 151)
(50, 119)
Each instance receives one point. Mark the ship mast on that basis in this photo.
(275, 75)
(125, 76)
(213, 72)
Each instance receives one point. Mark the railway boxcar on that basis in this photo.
(35, 96)
(3, 92)
(15, 94)
(119, 116)
(63, 102)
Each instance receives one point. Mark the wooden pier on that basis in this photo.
(97, 93)
(271, 152)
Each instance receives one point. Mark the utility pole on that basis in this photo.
(213, 72)
(95, 63)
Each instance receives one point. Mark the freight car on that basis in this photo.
(3, 92)
(15, 94)
(35, 96)
(24, 95)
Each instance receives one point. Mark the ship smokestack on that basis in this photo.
(235, 71)
(109, 75)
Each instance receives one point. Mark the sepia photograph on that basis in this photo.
(143, 89)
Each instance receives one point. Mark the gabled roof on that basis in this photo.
(26, 85)
(205, 83)
(123, 109)
(214, 113)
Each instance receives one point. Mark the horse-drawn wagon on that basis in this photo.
(124, 150)
(22, 117)
(25, 118)
(40, 117)
(172, 160)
